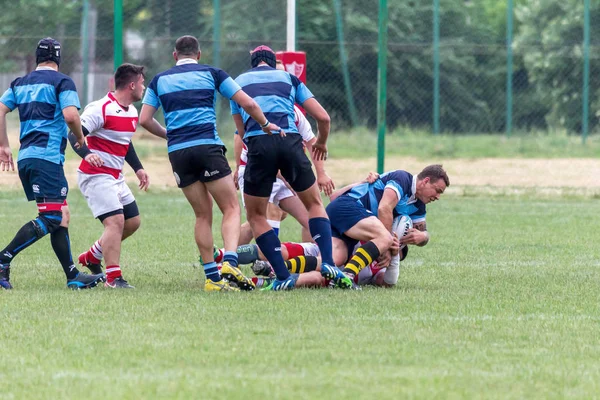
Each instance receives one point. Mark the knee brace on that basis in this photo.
(47, 222)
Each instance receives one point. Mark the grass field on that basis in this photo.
(503, 303)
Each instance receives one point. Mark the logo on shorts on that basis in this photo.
(36, 188)
(7, 254)
(369, 211)
(63, 192)
(177, 178)
(209, 174)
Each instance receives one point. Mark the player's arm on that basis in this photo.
(371, 178)
(385, 211)
(252, 108)
(238, 146)
(149, 123)
(134, 162)
(418, 235)
(6, 158)
(323, 180)
(315, 110)
(71, 116)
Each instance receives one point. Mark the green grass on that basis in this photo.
(503, 303)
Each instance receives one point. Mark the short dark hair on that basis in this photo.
(127, 73)
(434, 172)
(187, 45)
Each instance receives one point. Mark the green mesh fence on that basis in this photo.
(547, 77)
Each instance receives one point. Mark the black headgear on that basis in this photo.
(47, 49)
(263, 53)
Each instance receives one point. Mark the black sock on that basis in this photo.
(25, 237)
(271, 247)
(61, 244)
(364, 256)
(301, 264)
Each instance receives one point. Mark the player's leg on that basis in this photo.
(377, 240)
(261, 172)
(45, 182)
(114, 223)
(189, 167)
(293, 206)
(245, 233)
(274, 215)
(296, 169)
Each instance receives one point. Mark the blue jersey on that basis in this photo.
(401, 182)
(40, 97)
(188, 94)
(275, 91)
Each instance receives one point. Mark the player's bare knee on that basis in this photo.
(66, 216)
(115, 222)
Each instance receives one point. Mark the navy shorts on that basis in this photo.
(204, 163)
(43, 179)
(268, 154)
(345, 212)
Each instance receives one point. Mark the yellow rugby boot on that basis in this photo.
(235, 275)
(221, 286)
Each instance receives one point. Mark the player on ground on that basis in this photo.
(187, 94)
(277, 92)
(109, 124)
(46, 100)
(365, 213)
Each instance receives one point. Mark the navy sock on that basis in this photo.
(247, 253)
(271, 247)
(231, 257)
(25, 237)
(320, 229)
(61, 244)
(212, 272)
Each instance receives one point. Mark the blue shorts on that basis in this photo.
(345, 212)
(43, 179)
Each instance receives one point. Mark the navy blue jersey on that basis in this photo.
(275, 91)
(188, 94)
(40, 97)
(401, 182)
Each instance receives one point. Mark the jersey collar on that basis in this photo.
(42, 68)
(113, 98)
(413, 189)
(187, 61)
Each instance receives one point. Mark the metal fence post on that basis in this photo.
(586, 70)
(436, 66)
(381, 83)
(85, 51)
(118, 33)
(509, 67)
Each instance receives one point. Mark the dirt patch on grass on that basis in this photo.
(490, 175)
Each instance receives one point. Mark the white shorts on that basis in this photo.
(310, 249)
(104, 193)
(280, 190)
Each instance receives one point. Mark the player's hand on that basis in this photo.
(384, 260)
(6, 159)
(413, 236)
(326, 184)
(319, 151)
(236, 176)
(372, 177)
(395, 247)
(144, 179)
(273, 128)
(94, 159)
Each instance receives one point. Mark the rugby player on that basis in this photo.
(187, 94)
(268, 154)
(46, 99)
(109, 124)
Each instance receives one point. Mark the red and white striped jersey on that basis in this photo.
(110, 126)
(303, 128)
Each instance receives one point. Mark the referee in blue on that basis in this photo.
(47, 102)
(276, 91)
(187, 94)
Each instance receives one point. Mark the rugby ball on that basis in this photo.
(401, 225)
